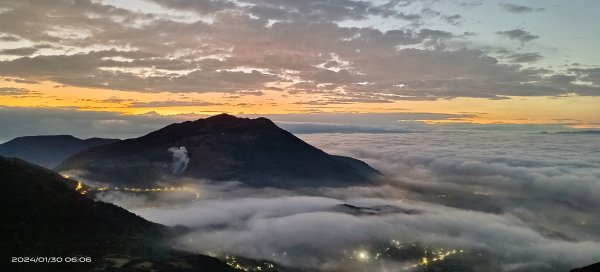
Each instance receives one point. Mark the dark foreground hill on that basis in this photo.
(43, 217)
(223, 147)
(48, 151)
(590, 268)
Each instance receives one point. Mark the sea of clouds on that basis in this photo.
(519, 201)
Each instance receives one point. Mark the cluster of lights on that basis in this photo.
(429, 257)
(435, 256)
(79, 188)
(440, 255)
(84, 191)
(234, 263)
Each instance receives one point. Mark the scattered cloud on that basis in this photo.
(247, 47)
(170, 103)
(524, 57)
(9, 38)
(588, 74)
(24, 51)
(10, 91)
(518, 34)
(455, 19)
(514, 8)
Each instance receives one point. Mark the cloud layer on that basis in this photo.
(513, 201)
(302, 48)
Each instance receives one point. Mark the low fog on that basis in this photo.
(507, 201)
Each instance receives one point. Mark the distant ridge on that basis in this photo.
(594, 132)
(48, 150)
(222, 147)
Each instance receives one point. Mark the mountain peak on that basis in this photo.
(227, 118)
(222, 117)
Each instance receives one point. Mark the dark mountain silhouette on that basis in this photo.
(223, 147)
(48, 151)
(590, 268)
(41, 206)
(42, 216)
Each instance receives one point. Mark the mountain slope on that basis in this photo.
(590, 268)
(48, 151)
(223, 147)
(43, 217)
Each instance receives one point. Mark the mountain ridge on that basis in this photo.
(222, 147)
(48, 150)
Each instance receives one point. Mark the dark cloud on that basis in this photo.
(22, 81)
(23, 51)
(10, 91)
(469, 4)
(9, 38)
(514, 8)
(171, 103)
(253, 93)
(524, 57)
(455, 19)
(588, 74)
(201, 7)
(518, 34)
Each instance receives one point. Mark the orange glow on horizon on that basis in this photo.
(577, 111)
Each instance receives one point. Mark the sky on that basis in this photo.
(144, 62)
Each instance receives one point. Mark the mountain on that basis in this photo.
(42, 216)
(39, 205)
(222, 147)
(48, 151)
(590, 268)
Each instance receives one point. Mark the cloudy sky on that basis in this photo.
(112, 62)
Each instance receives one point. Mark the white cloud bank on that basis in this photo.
(512, 201)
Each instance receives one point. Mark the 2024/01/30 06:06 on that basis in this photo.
(80, 259)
